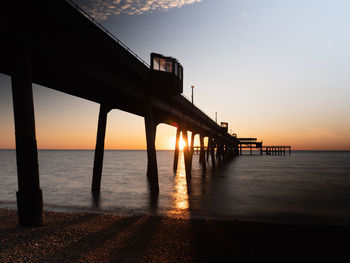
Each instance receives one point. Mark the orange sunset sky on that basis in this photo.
(275, 71)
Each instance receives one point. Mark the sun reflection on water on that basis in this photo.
(180, 195)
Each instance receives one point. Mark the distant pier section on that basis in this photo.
(252, 143)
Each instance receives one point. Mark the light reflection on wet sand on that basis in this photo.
(180, 205)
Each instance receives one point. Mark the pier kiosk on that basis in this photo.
(224, 126)
(166, 75)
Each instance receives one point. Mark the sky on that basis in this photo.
(277, 70)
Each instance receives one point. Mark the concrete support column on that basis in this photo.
(192, 146)
(152, 168)
(29, 195)
(176, 153)
(223, 152)
(99, 149)
(236, 149)
(240, 149)
(212, 152)
(219, 152)
(202, 153)
(208, 148)
(230, 151)
(187, 156)
(218, 149)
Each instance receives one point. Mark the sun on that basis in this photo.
(182, 144)
(172, 140)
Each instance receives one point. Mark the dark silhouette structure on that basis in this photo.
(252, 143)
(55, 44)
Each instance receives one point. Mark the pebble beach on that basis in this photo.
(88, 237)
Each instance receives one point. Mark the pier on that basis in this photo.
(276, 150)
(252, 143)
(56, 45)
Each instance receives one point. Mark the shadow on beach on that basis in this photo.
(74, 237)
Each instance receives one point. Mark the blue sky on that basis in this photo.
(276, 70)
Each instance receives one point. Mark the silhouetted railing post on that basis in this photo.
(152, 169)
(176, 153)
(29, 195)
(99, 149)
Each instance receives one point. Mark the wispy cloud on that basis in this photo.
(102, 9)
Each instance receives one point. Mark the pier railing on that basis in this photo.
(93, 20)
(199, 109)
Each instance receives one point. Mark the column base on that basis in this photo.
(30, 208)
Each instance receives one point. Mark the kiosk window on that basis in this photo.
(156, 63)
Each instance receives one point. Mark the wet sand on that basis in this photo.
(86, 237)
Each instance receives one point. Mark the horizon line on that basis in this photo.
(92, 149)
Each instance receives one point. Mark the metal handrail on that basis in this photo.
(209, 118)
(78, 8)
(184, 96)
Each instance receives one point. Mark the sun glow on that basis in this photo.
(182, 144)
(180, 195)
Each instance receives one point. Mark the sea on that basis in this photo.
(306, 187)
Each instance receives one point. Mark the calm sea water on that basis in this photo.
(306, 187)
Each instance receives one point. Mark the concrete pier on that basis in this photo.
(192, 145)
(176, 152)
(99, 149)
(29, 195)
(100, 69)
(187, 154)
(152, 168)
(202, 152)
(212, 151)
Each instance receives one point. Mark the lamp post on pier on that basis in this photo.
(192, 87)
